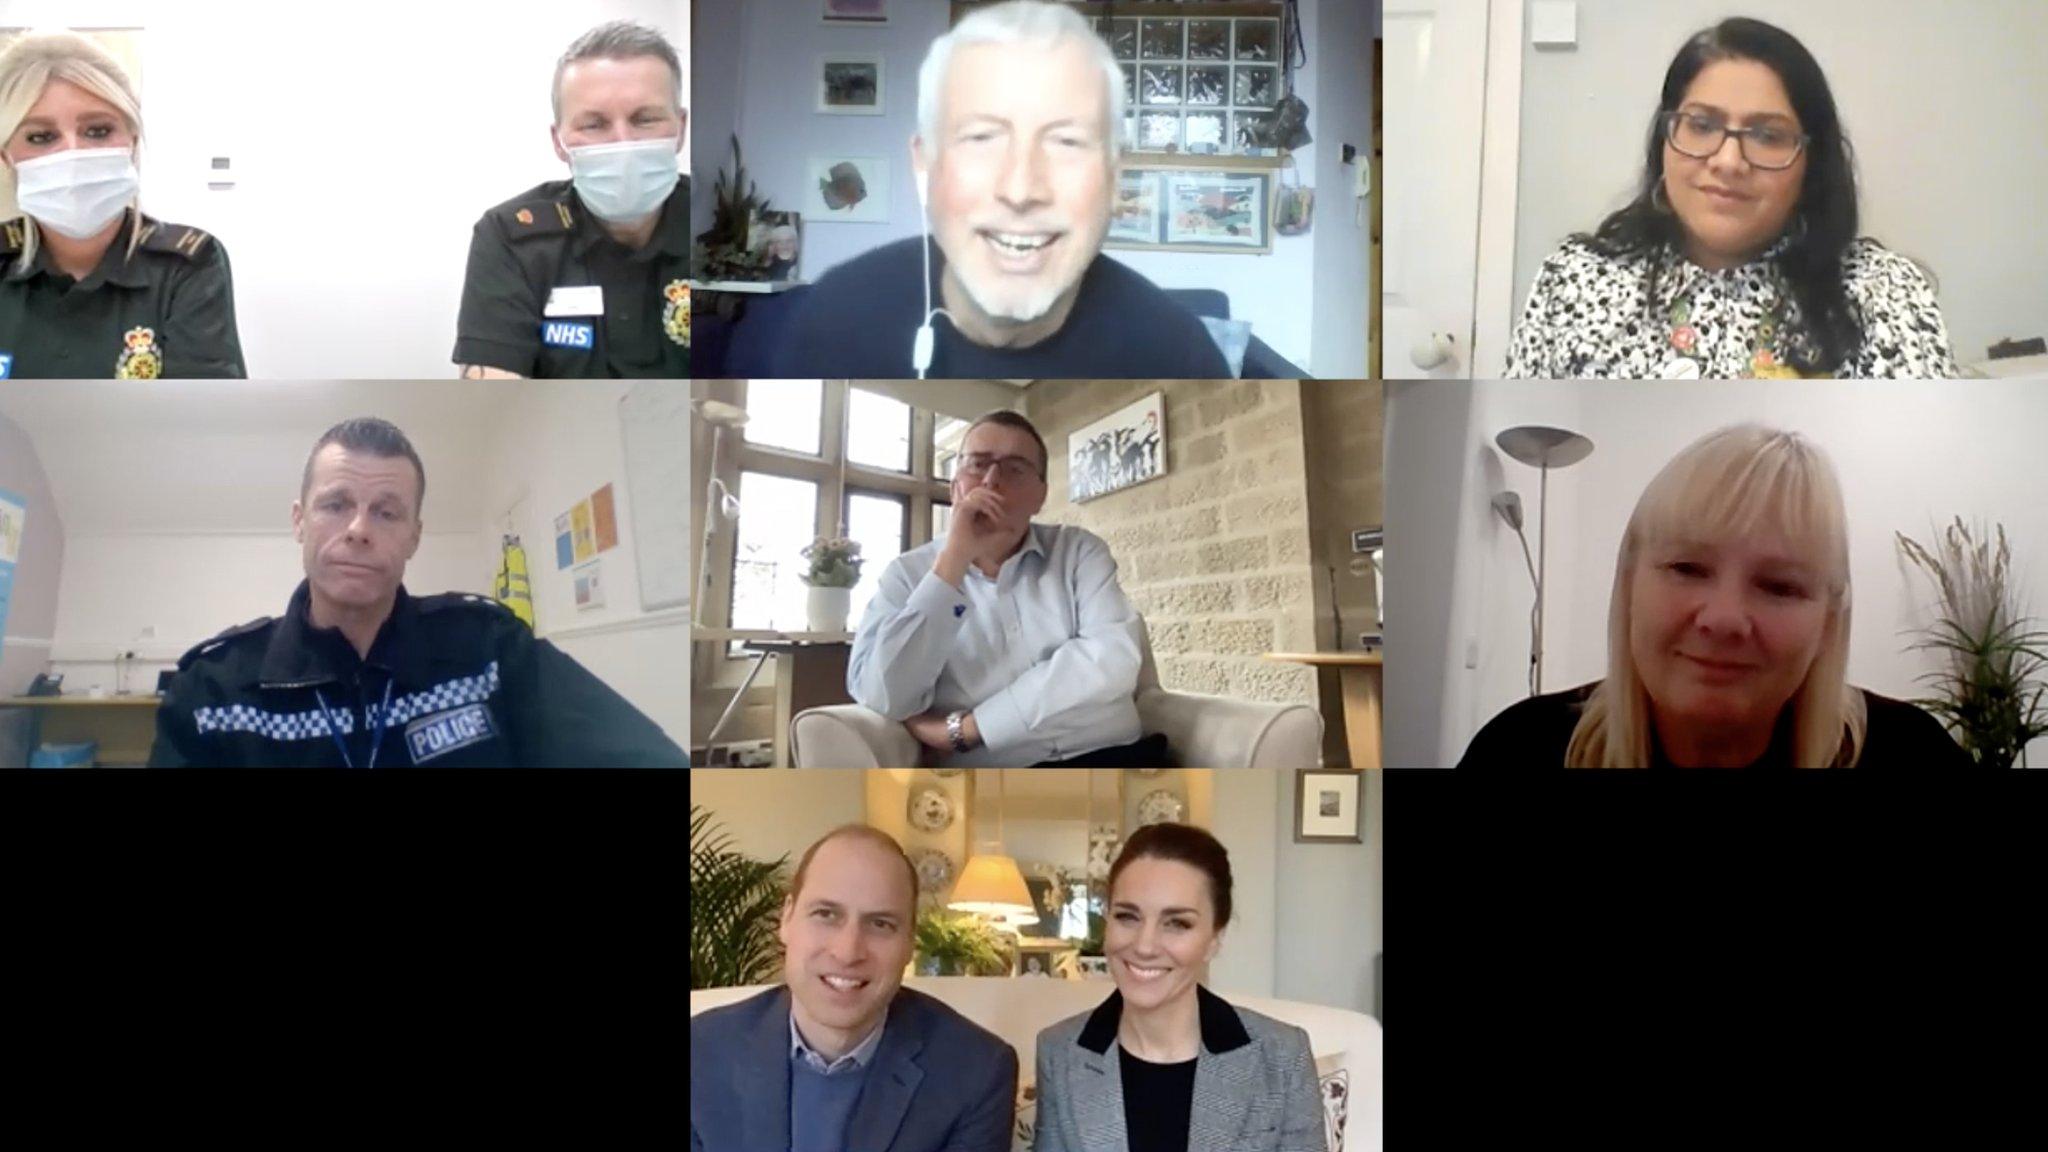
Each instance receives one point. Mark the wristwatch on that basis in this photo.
(955, 732)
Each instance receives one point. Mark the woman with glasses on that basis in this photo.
(1739, 256)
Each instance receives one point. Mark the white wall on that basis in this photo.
(367, 140)
(1934, 98)
(1307, 919)
(771, 811)
(1911, 456)
(1283, 294)
(188, 587)
(556, 446)
(1342, 234)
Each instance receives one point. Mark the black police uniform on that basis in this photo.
(544, 239)
(452, 681)
(168, 310)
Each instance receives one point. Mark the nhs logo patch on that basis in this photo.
(431, 736)
(563, 334)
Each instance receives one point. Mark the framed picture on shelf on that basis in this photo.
(846, 190)
(1134, 219)
(1204, 209)
(850, 84)
(778, 235)
(1218, 210)
(1329, 806)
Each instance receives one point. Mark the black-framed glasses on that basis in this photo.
(1012, 469)
(1769, 146)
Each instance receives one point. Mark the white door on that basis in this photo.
(1434, 118)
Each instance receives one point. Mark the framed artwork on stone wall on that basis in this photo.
(1124, 448)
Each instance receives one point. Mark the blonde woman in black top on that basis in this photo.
(1728, 633)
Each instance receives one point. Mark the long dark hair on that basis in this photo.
(1825, 216)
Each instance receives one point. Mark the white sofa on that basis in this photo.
(1204, 731)
(1346, 1043)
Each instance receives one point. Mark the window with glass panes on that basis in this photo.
(1201, 77)
(828, 458)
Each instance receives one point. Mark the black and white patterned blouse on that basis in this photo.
(1586, 319)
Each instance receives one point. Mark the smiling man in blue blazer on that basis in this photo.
(842, 1058)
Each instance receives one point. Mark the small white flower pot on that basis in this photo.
(825, 608)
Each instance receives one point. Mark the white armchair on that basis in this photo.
(1204, 731)
(1347, 1045)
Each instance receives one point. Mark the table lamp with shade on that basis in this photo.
(1544, 448)
(992, 886)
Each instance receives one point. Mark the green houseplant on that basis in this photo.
(724, 251)
(735, 901)
(954, 944)
(1989, 690)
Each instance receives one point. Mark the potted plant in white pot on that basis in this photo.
(834, 570)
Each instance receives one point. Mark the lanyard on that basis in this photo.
(376, 730)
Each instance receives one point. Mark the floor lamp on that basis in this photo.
(1543, 448)
(719, 502)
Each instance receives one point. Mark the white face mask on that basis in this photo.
(78, 191)
(627, 181)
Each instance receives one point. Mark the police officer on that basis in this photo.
(358, 673)
(92, 287)
(588, 277)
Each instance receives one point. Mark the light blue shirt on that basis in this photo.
(1045, 655)
(862, 1053)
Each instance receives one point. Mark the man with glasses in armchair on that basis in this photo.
(1006, 643)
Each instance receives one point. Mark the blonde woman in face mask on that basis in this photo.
(92, 287)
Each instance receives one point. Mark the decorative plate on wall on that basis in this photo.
(930, 810)
(934, 870)
(1161, 807)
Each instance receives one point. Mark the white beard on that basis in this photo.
(1016, 303)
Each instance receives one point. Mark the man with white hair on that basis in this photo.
(1020, 117)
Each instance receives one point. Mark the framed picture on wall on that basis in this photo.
(846, 190)
(1205, 209)
(1328, 806)
(850, 84)
(1219, 210)
(858, 12)
(1134, 219)
(1123, 448)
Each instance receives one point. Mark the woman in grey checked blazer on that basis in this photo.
(1165, 1065)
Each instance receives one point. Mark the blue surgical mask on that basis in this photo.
(625, 182)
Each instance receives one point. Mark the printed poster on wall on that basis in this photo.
(586, 538)
(607, 517)
(13, 524)
(565, 550)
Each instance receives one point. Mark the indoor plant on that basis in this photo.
(734, 904)
(834, 570)
(725, 251)
(957, 944)
(1989, 691)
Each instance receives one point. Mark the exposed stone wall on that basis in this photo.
(1216, 554)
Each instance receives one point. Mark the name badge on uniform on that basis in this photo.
(433, 736)
(583, 300)
(567, 334)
